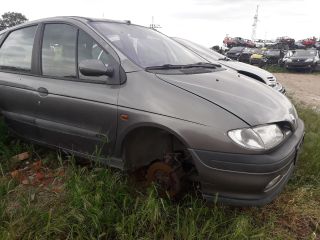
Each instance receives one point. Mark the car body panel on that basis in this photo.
(169, 107)
(256, 105)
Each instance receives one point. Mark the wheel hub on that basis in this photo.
(165, 177)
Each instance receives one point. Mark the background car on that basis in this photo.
(299, 45)
(303, 59)
(245, 55)
(256, 57)
(309, 42)
(253, 72)
(235, 52)
(272, 56)
(285, 43)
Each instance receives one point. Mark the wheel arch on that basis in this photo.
(149, 134)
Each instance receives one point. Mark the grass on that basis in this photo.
(100, 203)
(275, 69)
(279, 69)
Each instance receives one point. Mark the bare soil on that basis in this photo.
(302, 87)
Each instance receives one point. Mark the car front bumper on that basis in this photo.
(300, 65)
(256, 61)
(278, 87)
(247, 180)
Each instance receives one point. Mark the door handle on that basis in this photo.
(43, 91)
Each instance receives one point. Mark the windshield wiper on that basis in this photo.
(193, 65)
(164, 67)
(203, 65)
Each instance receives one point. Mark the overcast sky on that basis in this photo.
(203, 21)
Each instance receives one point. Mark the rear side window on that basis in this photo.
(16, 50)
(59, 50)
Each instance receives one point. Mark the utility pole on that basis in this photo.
(153, 25)
(254, 25)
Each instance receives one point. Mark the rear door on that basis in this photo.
(18, 97)
(75, 112)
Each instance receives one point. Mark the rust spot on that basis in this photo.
(124, 117)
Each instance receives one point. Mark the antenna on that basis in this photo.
(153, 25)
(255, 23)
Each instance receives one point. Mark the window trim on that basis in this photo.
(41, 45)
(36, 70)
(77, 79)
(4, 38)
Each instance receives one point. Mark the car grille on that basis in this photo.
(297, 60)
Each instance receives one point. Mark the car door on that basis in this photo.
(75, 112)
(18, 98)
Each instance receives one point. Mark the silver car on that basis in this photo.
(142, 102)
(248, 70)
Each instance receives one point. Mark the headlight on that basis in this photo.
(289, 60)
(309, 60)
(258, 138)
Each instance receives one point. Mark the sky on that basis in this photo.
(203, 21)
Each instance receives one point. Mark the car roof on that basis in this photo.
(65, 18)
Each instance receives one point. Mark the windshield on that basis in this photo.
(248, 50)
(304, 53)
(236, 49)
(257, 51)
(207, 53)
(146, 47)
(272, 53)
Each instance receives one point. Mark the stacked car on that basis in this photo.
(285, 52)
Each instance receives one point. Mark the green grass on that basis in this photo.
(278, 69)
(275, 69)
(100, 203)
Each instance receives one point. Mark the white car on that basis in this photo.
(242, 68)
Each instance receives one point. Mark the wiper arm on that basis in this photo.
(203, 65)
(193, 65)
(164, 67)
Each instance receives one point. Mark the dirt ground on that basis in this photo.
(303, 87)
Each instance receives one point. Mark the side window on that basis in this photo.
(59, 50)
(16, 50)
(89, 49)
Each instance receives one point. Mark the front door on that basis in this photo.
(18, 97)
(75, 112)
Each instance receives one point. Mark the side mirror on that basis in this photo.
(95, 68)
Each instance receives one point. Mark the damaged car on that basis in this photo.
(149, 104)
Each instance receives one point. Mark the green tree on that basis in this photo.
(10, 19)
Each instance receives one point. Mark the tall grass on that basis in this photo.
(100, 203)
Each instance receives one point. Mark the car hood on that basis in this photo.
(251, 101)
(239, 66)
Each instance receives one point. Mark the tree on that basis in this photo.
(10, 19)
